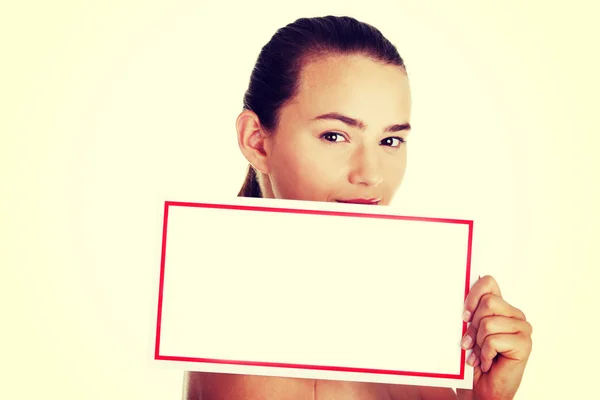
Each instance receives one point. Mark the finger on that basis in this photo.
(491, 305)
(501, 324)
(485, 285)
(477, 352)
(473, 360)
(513, 346)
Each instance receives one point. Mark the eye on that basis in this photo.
(333, 137)
(394, 141)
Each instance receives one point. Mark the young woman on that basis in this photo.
(326, 118)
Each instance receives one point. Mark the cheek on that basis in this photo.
(304, 173)
(394, 171)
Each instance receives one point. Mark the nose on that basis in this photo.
(365, 168)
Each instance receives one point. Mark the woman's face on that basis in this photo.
(341, 139)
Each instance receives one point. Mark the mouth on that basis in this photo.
(370, 202)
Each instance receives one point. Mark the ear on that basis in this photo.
(252, 140)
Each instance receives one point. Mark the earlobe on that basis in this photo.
(251, 140)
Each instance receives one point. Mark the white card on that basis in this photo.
(314, 290)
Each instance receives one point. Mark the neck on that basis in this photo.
(265, 186)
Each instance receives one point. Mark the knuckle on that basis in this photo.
(486, 349)
(526, 338)
(492, 341)
(520, 314)
(488, 301)
(489, 280)
(526, 345)
(485, 326)
(528, 328)
(471, 330)
(490, 283)
(481, 339)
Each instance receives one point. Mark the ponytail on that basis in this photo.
(250, 187)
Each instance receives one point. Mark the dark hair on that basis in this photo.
(274, 79)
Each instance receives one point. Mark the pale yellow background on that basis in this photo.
(109, 108)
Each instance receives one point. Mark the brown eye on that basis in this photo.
(333, 137)
(395, 141)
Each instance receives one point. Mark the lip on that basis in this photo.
(372, 202)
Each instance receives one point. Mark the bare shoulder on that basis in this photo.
(213, 386)
(437, 393)
(406, 392)
(220, 386)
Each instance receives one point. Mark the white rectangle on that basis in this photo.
(317, 291)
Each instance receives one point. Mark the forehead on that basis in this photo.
(352, 85)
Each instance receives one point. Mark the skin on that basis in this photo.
(328, 159)
(325, 159)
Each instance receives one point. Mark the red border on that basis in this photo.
(168, 204)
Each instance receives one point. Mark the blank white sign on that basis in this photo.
(328, 292)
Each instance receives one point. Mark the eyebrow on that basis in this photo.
(356, 123)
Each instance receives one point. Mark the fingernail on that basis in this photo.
(471, 359)
(466, 316)
(466, 342)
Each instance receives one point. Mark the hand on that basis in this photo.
(500, 338)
